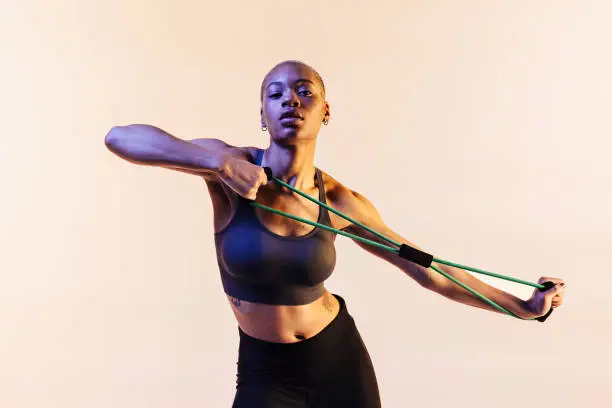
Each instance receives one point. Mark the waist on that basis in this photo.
(285, 323)
(320, 359)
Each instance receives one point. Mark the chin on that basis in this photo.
(292, 136)
(285, 135)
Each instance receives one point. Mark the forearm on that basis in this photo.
(447, 288)
(148, 145)
(436, 282)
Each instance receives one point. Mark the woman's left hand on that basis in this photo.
(540, 302)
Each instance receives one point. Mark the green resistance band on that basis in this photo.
(404, 251)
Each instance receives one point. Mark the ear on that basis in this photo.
(327, 114)
(263, 121)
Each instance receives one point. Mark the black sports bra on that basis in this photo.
(260, 266)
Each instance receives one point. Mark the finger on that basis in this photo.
(557, 303)
(555, 290)
(550, 279)
(253, 192)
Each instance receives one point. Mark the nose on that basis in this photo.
(291, 99)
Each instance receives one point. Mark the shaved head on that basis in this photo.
(295, 63)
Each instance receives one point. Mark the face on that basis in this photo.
(293, 103)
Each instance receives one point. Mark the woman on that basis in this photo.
(299, 346)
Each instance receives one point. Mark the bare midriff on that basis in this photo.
(285, 323)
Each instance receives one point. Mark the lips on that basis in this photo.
(291, 115)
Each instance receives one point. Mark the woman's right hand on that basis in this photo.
(241, 176)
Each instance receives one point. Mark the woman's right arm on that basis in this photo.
(149, 145)
(209, 158)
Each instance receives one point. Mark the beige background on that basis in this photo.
(480, 129)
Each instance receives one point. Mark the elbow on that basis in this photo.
(434, 282)
(132, 143)
(115, 142)
(113, 137)
(424, 277)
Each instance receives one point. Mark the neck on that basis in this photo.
(292, 164)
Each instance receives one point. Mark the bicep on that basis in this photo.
(367, 214)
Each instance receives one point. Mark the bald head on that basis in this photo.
(295, 63)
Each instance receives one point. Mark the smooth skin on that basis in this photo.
(295, 88)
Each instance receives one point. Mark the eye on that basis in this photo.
(305, 92)
(274, 95)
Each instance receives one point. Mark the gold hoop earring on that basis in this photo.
(325, 121)
(264, 128)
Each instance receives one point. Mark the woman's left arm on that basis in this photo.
(362, 210)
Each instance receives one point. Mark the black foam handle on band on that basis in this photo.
(547, 285)
(415, 255)
(269, 173)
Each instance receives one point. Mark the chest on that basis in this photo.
(250, 252)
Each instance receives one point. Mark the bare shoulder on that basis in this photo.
(341, 195)
(347, 201)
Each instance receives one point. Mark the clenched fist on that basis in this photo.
(541, 301)
(241, 176)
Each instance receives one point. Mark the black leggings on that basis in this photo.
(331, 369)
